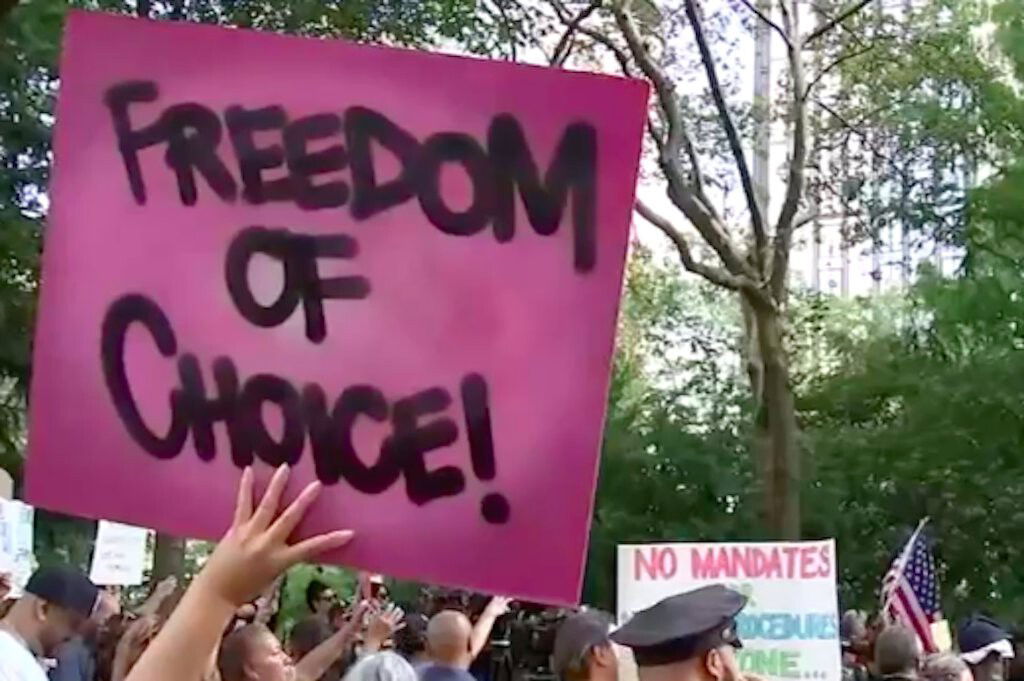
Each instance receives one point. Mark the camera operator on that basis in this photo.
(583, 651)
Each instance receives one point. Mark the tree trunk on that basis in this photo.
(168, 558)
(5, 8)
(762, 105)
(776, 446)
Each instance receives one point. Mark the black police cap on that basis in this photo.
(682, 627)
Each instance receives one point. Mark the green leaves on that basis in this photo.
(924, 416)
(910, 404)
(675, 464)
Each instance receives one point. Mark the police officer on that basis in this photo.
(688, 637)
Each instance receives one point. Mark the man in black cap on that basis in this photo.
(56, 602)
(985, 647)
(583, 651)
(688, 637)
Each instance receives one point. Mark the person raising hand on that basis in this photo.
(253, 552)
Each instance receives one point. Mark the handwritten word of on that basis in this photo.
(299, 254)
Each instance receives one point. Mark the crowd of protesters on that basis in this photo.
(221, 628)
(64, 628)
(985, 651)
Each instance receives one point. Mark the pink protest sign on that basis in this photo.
(396, 271)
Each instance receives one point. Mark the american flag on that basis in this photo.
(910, 590)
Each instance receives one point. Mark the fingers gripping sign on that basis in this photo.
(255, 549)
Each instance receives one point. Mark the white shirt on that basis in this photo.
(16, 662)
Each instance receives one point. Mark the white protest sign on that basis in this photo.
(790, 627)
(16, 538)
(119, 557)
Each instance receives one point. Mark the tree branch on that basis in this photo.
(835, 63)
(795, 180)
(832, 23)
(668, 149)
(802, 219)
(510, 34)
(688, 197)
(663, 86)
(736, 282)
(774, 26)
(713, 274)
(868, 142)
(756, 215)
(565, 42)
(620, 55)
(678, 139)
(656, 134)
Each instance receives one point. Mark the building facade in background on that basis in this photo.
(846, 251)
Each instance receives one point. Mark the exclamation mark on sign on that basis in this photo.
(475, 405)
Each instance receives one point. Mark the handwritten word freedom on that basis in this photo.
(192, 133)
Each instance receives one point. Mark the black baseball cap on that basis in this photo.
(577, 635)
(684, 626)
(65, 586)
(980, 636)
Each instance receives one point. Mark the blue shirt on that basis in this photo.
(75, 662)
(442, 672)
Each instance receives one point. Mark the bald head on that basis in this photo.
(448, 638)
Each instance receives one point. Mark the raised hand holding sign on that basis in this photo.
(255, 549)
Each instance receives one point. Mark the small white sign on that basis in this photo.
(16, 536)
(119, 557)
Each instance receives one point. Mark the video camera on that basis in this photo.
(521, 642)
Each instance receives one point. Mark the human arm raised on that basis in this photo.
(252, 553)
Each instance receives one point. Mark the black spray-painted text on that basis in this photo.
(192, 134)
